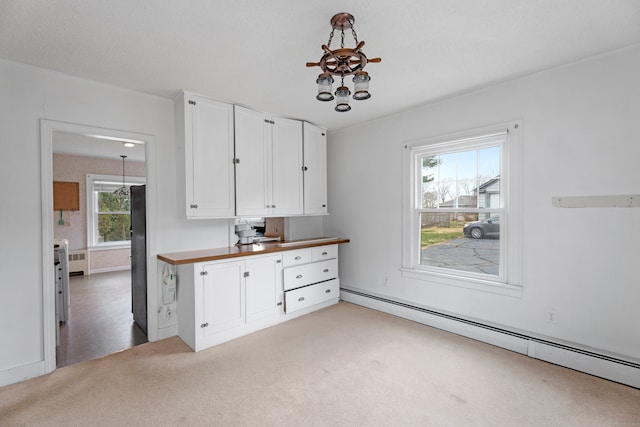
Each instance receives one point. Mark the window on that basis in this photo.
(457, 208)
(108, 214)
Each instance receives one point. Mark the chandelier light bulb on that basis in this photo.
(325, 87)
(342, 99)
(361, 85)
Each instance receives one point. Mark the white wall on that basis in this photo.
(27, 95)
(580, 137)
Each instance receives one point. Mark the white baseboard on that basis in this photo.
(21, 373)
(109, 269)
(602, 366)
(590, 364)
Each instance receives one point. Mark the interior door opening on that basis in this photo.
(101, 300)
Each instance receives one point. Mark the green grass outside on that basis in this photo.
(434, 235)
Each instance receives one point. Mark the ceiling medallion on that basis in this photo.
(343, 62)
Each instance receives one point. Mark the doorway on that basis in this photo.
(97, 322)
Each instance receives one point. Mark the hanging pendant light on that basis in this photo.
(122, 191)
(343, 62)
(342, 98)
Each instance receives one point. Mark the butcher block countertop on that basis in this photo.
(215, 254)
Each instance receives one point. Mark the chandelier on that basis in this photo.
(122, 191)
(343, 62)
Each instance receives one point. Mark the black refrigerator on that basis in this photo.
(139, 256)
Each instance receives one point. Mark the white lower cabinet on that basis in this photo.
(221, 294)
(222, 300)
(307, 296)
(310, 277)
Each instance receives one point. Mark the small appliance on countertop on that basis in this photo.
(245, 233)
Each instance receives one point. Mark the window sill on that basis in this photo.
(463, 282)
(110, 247)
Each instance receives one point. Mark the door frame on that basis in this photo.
(47, 128)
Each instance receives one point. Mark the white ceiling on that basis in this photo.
(254, 52)
(89, 146)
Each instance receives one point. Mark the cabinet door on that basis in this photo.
(252, 174)
(286, 167)
(209, 158)
(315, 170)
(264, 292)
(223, 296)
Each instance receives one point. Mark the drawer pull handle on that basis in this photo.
(299, 276)
(301, 299)
(327, 291)
(326, 270)
(279, 303)
(324, 253)
(298, 258)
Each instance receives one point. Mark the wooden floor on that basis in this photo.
(100, 320)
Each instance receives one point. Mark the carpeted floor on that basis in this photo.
(341, 366)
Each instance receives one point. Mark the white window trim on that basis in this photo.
(511, 248)
(91, 211)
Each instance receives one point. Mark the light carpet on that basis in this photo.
(342, 366)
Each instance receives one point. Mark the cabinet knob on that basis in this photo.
(324, 253)
(204, 325)
(304, 169)
(297, 258)
(299, 276)
(326, 270)
(324, 206)
(193, 206)
(301, 299)
(279, 303)
(328, 291)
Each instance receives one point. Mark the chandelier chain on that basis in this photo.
(342, 41)
(330, 39)
(353, 33)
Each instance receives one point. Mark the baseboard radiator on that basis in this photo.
(604, 366)
(79, 263)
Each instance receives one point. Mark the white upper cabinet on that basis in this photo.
(205, 132)
(269, 179)
(315, 170)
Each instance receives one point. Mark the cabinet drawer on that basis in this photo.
(302, 275)
(299, 256)
(320, 253)
(298, 299)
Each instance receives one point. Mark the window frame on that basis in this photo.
(92, 213)
(507, 281)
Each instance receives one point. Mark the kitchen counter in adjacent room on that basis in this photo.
(190, 257)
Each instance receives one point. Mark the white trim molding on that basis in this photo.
(47, 129)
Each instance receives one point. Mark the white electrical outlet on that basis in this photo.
(551, 315)
(166, 316)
